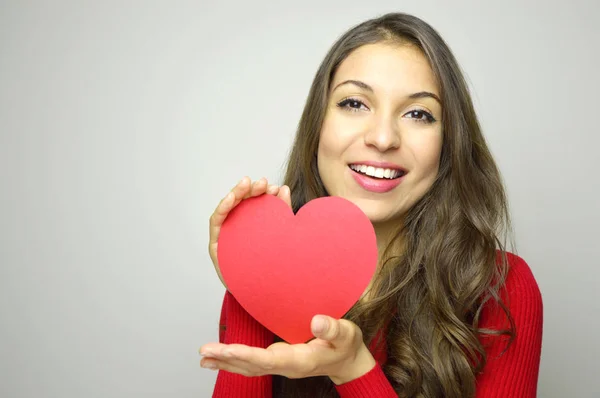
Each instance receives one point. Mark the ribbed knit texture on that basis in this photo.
(372, 384)
(513, 374)
(238, 327)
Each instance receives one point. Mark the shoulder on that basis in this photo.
(520, 286)
(521, 295)
(512, 361)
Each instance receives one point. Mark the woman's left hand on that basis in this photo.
(338, 352)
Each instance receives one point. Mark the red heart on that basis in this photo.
(285, 268)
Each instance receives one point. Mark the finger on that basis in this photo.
(241, 189)
(218, 217)
(234, 351)
(229, 201)
(273, 189)
(252, 366)
(292, 361)
(259, 187)
(278, 358)
(216, 364)
(337, 331)
(285, 195)
(225, 206)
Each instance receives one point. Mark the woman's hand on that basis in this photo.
(243, 190)
(338, 352)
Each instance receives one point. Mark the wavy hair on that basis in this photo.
(429, 295)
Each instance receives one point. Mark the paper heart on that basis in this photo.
(285, 268)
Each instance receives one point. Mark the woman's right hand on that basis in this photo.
(243, 190)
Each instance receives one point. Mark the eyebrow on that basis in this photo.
(365, 86)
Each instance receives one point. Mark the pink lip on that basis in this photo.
(376, 185)
(383, 165)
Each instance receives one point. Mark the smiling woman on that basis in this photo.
(389, 125)
(383, 116)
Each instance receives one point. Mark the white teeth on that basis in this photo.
(376, 172)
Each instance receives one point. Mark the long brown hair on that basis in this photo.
(431, 293)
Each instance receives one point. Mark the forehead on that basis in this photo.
(385, 67)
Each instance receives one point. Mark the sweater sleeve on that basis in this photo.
(236, 326)
(513, 372)
(373, 384)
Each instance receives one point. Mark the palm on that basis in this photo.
(315, 346)
(303, 359)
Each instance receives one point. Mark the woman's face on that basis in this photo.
(381, 139)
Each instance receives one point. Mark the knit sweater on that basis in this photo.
(509, 374)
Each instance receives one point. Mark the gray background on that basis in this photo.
(122, 125)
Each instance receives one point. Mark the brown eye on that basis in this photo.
(421, 116)
(351, 104)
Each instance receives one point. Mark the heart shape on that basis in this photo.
(285, 268)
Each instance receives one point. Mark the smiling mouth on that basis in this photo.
(377, 173)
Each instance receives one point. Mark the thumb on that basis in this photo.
(285, 195)
(336, 331)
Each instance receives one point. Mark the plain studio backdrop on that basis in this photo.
(122, 124)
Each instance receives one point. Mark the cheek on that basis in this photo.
(325, 154)
(432, 161)
(324, 150)
(428, 151)
(332, 140)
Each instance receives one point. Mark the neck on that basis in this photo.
(385, 233)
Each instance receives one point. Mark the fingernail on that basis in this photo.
(319, 324)
(208, 354)
(209, 365)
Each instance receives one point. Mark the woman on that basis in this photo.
(389, 125)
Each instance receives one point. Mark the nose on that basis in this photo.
(383, 135)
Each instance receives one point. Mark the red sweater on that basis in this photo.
(511, 375)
